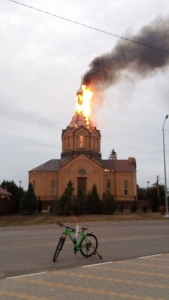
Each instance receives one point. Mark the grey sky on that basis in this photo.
(42, 59)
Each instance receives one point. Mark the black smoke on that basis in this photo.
(107, 69)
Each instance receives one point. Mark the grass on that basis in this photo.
(48, 218)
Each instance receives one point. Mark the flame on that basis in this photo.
(83, 102)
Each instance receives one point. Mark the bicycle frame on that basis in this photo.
(81, 233)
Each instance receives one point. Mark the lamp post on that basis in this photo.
(166, 202)
(148, 196)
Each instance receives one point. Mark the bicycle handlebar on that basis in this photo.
(60, 224)
(68, 227)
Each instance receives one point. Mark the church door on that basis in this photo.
(82, 185)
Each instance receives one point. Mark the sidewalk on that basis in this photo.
(137, 279)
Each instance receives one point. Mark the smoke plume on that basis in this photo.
(107, 69)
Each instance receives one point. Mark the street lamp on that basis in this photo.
(166, 202)
(148, 196)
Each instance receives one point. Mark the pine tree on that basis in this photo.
(79, 207)
(113, 154)
(64, 205)
(28, 203)
(108, 204)
(93, 201)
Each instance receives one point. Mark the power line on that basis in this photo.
(90, 27)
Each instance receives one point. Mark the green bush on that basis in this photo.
(93, 204)
(65, 204)
(108, 205)
(155, 204)
(79, 205)
(28, 203)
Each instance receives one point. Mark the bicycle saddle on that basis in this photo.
(84, 228)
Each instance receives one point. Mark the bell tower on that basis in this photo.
(80, 137)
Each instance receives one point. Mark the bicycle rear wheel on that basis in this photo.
(59, 247)
(88, 245)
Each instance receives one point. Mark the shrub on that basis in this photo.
(93, 204)
(108, 205)
(64, 205)
(79, 205)
(155, 204)
(28, 203)
(144, 208)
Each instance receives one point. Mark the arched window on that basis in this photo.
(125, 187)
(94, 142)
(68, 142)
(108, 184)
(81, 141)
(53, 190)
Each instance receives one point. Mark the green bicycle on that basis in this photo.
(87, 243)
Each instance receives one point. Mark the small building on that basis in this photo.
(82, 163)
(4, 194)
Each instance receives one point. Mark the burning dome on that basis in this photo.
(83, 108)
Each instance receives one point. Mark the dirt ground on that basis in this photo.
(48, 218)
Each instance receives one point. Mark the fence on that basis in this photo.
(7, 207)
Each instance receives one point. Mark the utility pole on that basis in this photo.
(148, 196)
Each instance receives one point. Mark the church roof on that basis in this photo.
(79, 119)
(51, 165)
(119, 165)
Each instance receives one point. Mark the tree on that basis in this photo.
(29, 203)
(113, 155)
(17, 192)
(79, 207)
(108, 204)
(142, 193)
(93, 201)
(65, 204)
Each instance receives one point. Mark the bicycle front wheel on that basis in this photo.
(88, 245)
(58, 248)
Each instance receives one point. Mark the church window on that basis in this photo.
(125, 187)
(53, 187)
(68, 142)
(81, 141)
(34, 185)
(94, 142)
(108, 184)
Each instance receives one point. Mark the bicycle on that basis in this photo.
(87, 243)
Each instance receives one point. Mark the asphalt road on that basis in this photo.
(30, 249)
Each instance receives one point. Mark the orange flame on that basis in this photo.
(83, 102)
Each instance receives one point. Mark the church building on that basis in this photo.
(82, 163)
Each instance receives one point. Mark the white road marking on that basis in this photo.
(26, 275)
(150, 256)
(109, 262)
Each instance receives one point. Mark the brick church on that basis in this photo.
(82, 163)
